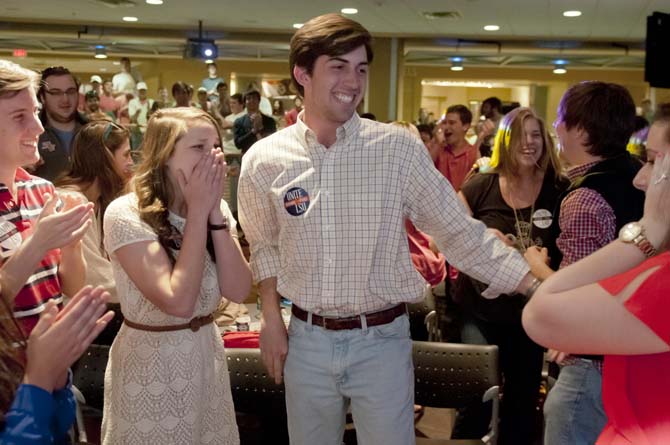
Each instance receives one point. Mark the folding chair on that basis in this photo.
(259, 402)
(88, 379)
(450, 375)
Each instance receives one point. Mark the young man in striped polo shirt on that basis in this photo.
(26, 201)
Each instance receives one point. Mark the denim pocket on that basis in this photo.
(398, 328)
(296, 327)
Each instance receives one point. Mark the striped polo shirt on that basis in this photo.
(17, 220)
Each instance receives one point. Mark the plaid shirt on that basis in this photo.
(329, 222)
(587, 221)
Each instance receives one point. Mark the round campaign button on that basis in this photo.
(296, 201)
(542, 218)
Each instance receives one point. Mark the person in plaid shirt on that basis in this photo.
(323, 204)
(595, 121)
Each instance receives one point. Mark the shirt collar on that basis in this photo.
(344, 132)
(580, 170)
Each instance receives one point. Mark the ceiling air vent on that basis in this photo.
(436, 15)
(116, 3)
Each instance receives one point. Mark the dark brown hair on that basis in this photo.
(329, 35)
(93, 151)
(463, 112)
(54, 71)
(605, 111)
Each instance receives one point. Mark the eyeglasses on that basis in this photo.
(71, 92)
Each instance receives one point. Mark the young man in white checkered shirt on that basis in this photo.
(323, 205)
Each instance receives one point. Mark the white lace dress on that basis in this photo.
(163, 387)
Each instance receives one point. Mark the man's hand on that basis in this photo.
(487, 128)
(257, 122)
(274, 345)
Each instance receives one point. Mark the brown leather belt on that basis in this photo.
(195, 324)
(337, 324)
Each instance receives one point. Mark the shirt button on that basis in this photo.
(329, 261)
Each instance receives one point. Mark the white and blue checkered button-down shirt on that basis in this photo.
(329, 222)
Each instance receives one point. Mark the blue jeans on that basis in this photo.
(370, 369)
(573, 411)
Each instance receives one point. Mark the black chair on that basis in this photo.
(417, 313)
(88, 379)
(260, 403)
(450, 375)
(88, 375)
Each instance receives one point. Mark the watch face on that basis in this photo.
(629, 232)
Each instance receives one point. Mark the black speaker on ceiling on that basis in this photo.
(657, 57)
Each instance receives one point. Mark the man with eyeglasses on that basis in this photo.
(59, 94)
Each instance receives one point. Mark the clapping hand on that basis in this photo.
(59, 339)
(56, 229)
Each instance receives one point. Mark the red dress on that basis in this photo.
(636, 388)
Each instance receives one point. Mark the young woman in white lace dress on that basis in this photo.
(175, 254)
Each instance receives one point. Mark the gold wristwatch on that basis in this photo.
(633, 233)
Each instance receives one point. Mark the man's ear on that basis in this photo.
(301, 75)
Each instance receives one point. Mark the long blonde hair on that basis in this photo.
(154, 189)
(509, 139)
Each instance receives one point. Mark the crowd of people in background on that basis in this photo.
(114, 207)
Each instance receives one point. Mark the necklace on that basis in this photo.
(524, 230)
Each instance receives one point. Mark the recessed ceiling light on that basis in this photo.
(297, 25)
(349, 11)
(572, 13)
(491, 28)
(116, 62)
(154, 2)
(130, 19)
(560, 70)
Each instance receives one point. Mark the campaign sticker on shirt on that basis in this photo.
(48, 146)
(10, 238)
(296, 201)
(542, 218)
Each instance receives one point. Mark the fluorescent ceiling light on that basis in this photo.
(297, 25)
(130, 19)
(572, 13)
(154, 2)
(491, 28)
(349, 11)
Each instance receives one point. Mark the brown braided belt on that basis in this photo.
(195, 324)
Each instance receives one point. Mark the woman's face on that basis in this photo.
(123, 162)
(529, 152)
(199, 139)
(656, 143)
